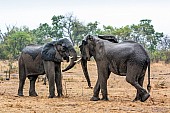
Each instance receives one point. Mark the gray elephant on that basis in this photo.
(38, 60)
(127, 58)
(84, 61)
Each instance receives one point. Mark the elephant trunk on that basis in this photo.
(73, 55)
(86, 74)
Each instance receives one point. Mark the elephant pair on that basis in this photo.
(38, 60)
(127, 58)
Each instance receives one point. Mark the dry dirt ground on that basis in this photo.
(77, 94)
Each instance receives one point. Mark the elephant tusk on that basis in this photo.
(70, 57)
(78, 60)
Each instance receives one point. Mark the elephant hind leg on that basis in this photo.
(32, 79)
(22, 78)
(135, 77)
(138, 96)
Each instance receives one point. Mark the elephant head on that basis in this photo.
(58, 50)
(87, 51)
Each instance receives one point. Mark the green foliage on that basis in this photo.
(79, 30)
(57, 29)
(43, 33)
(92, 27)
(14, 42)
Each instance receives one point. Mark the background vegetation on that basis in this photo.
(15, 39)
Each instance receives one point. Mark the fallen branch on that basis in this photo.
(165, 74)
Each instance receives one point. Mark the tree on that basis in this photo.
(68, 24)
(14, 41)
(43, 33)
(92, 27)
(79, 31)
(57, 26)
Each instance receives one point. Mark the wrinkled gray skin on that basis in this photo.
(125, 59)
(84, 61)
(38, 60)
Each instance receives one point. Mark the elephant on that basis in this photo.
(45, 59)
(126, 58)
(84, 61)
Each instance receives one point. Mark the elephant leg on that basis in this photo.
(58, 79)
(50, 73)
(103, 85)
(32, 79)
(138, 96)
(132, 77)
(96, 92)
(22, 78)
(103, 75)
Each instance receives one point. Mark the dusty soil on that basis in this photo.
(77, 94)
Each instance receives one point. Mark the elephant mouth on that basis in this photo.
(73, 59)
(66, 58)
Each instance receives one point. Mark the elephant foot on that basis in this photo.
(60, 95)
(137, 98)
(105, 98)
(52, 96)
(94, 98)
(90, 87)
(33, 94)
(145, 97)
(20, 94)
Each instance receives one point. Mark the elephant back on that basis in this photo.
(31, 60)
(32, 50)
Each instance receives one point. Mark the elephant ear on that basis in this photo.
(50, 53)
(100, 51)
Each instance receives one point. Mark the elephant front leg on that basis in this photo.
(104, 90)
(96, 92)
(50, 73)
(58, 79)
(103, 74)
(51, 88)
(32, 91)
(51, 81)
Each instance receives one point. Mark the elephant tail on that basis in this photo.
(149, 86)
